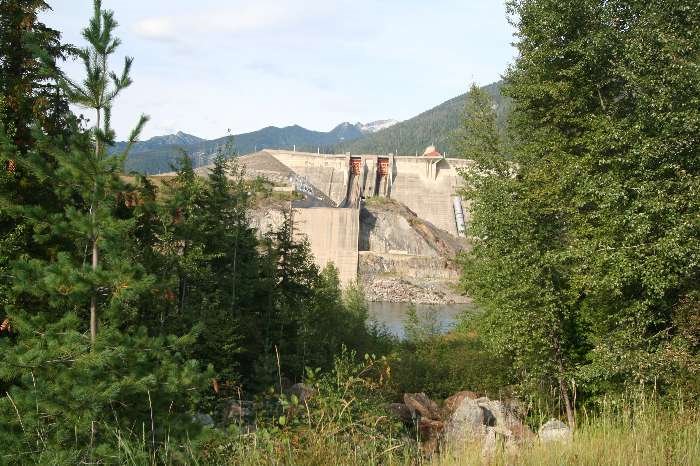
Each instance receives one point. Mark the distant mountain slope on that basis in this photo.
(374, 126)
(157, 154)
(436, 126)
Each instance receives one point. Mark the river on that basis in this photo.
(393, 315)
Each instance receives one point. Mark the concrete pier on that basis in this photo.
(333, 235)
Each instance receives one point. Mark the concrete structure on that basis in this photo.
(425, 184)
(333, 235)
(334, 186)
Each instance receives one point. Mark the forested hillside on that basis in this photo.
(437, 126)
(158, 154)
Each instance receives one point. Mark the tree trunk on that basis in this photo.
(93, 299)
(564, 390)
(233, 282)
(95, 250)
(567, 403)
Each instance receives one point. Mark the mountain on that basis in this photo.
(437, 126)
(179, 139)
(375, 126)
(157, 154)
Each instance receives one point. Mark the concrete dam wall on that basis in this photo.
(333, 235)
(426, 185)
(416, 213)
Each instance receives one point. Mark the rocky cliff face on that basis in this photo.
(402, 258)
(406, 259)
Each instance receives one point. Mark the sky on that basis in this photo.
(209, 66)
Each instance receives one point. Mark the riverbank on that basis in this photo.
(393, 289)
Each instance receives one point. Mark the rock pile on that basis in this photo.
(467, 418)
(397, 290)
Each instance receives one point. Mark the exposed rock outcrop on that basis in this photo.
(404, 258)
(421, 404)
(554, 430)
(388, 225)
(466, 418)
(418, 291)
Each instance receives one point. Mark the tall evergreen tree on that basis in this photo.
(68, 397)
(97, 92)
(30, 101)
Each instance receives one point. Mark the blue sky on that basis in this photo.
(207, 66)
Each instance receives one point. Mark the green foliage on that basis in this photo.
(342, 423)
(585, 254)
(30, 98)
(59, 387)
(443, 365)
(66, 397)
(638, 431)
(439, 126)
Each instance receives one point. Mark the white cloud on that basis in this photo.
(205, 66)
(156, 29)
(250, 16)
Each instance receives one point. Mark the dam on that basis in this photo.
(421, 192)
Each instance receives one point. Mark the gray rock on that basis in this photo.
(453, 402)
(430, 434)
(465, 423)
(554, 430)
(238, 411)
(401, 412)
(505, 418)
(488, 444)
(421, 404)
(301, 391)
(203, 419)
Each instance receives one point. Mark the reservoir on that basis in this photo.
(442, 317)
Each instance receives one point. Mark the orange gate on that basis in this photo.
(355, 165)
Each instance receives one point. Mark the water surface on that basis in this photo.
(393, 315)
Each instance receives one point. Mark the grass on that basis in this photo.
(629, 435)
(648, 435)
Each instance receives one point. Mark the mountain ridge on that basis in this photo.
(159, 153)
(438, 126)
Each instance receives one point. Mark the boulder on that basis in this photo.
(421, 404)
(455, 400)
(203, 419)
(430, 435)
(466, 422)
(506, 419)
(238, 411)
(554, 430)
(303, 392)
(401, 412)
(489, 443)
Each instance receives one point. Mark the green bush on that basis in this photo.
(67, 399)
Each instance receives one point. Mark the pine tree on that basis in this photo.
(97, 92)
(69, 397)
(30, 100)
